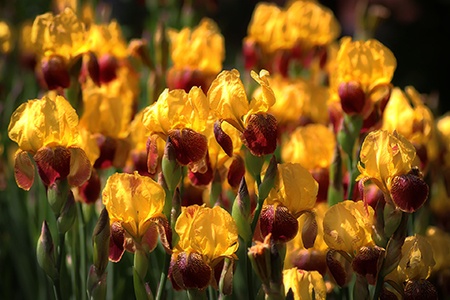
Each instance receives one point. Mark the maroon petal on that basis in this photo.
(189, 271)
(108, 148)
(53, 163)
(236, 171)
(80, 167)
(201, 179)
(23, 170)
(152, 154)
(277, 220)
(260, 135)
(90, 190)
(190, 146)
(56, 73)
(223, 139)
(116, 242)
(409, 192)
(108, 65)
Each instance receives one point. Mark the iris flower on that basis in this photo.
(134, 204)
(197, 56)
(228, 101)
(207, 237)
(304, 285)
(182, 117)
(47, 130)
(388, 160)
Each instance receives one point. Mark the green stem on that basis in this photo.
(194, 294)
(163, 278)
(139, 273)
(258, 209)
(249, 273)
(57, 281)
(82, 238)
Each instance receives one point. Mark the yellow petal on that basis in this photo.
(45, 122)
(304, 284)
(227, 98)
(211, 232)
(347, 226)
(266, 98)
(133, 200)
(417, 259)
(295, 188)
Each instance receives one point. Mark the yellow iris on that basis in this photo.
(63, 35)
(368, 62)
(177, 109)
(302, 146)
(210, 232)
(229, 101)
(134, 201)
(385, 156)
(294, 188)
(417, 259)
(347, 226)
(304, 284)
(409, 116)
(201, 49)
(47, 129)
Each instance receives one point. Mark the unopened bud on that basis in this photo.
(259, 256)
(57, 194)
(409, 192)
(269, 179)
(241, 211)
(56, 73)
(170, 167)
(96, 284)
(100, 241)
(45, 252)
(68, 214)
(353, 98)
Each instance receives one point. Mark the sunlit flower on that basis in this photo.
(228, 100)
(409, 116)
(306, 102)
(361, 78)
(299, 32)
(388, 160)
(207, 237)
(182, 117)
(294, 193)
(47, 130)
(197, 56)
(417, 259)
(58, 42)
(108, 111)
(347, 226)
(304, 285)
(5, 38)
(134, 204)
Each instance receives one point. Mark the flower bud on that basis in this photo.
(269, 179)
(138, 48)
(277, 220)
(57, 194)
(56, 73)
(353, 98)
(241, 211)
(96, 284)
(108, 65)
(259, 256)
(45, 252)
(420, 289)
(68, 214)
(170, 167)
(100, 242)
(260, 134)
(366, 263)
(409, 192)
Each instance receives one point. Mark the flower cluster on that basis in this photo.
(303, 176)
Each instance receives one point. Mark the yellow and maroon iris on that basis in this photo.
(47, 130)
